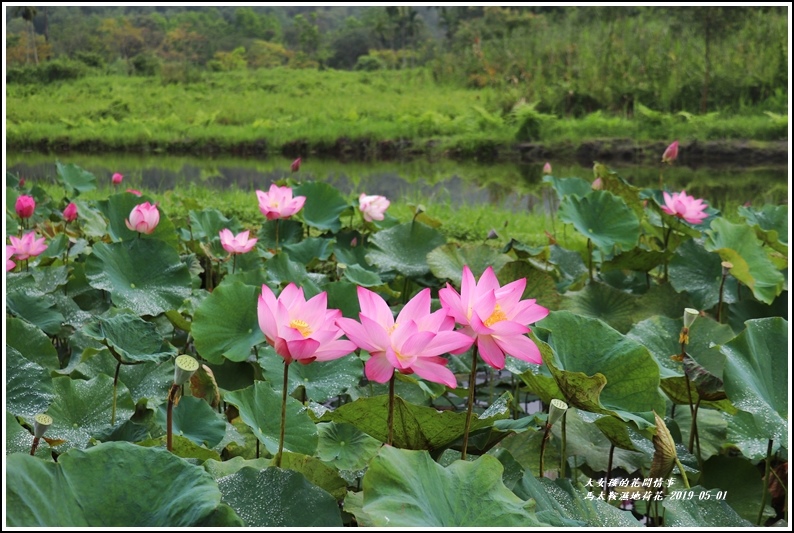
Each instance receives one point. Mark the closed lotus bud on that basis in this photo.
(41, 423)
(547, 169)
(184, 367)
(671, 153)
(296, 165)
(492, 234)
(556, 410)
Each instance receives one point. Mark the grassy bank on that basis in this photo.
(384, 113)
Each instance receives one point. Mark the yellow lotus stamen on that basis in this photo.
(301, 326)
(497, 316)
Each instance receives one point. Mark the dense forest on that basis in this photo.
(566, 60)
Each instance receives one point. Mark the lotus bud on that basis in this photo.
(671, 153)
(492, 234)
(556, 410)
(117, 178)
(296, 165)
(41, 423)
(547, 169)
(689, 316)
(184, 367)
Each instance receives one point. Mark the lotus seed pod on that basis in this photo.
(41, 423)
(689, 316)
(556, 410)
(184, 367)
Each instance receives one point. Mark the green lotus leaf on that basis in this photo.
(610, 181)
(92, 223)
(183, 447)
(39, 310)
(32, 343)
(560, 504)
(748, 435)
(282, 270)
(737, 244)
(699, 272)
(603, 218)
(206, 225)
(415, 427)
(278, 498)
(701, 511)
(570, 266)
(402, 489)
(259, 407)
(226, 323)
(75, 178)
(756, 376)
(309, 249)
(587, 347)
(84, 489)
(635, 259)
(29, 388)
(143, 275)
(712, 429)
(568, 186)
(321, 379)
(19, 439)
(361, 276)
(540, 285)
(317, 473)
(447, 261)
(194, 419)
(404, 248)
(83, 409)
(345, 446)
(288, 231)
(740, 479)
(324, 204)
(524, 448)
(772, 224)
(219, 469)
(133, 339)
(117, 209)
(598, 300)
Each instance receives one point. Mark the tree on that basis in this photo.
(28, 13)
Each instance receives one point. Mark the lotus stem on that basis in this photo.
(390, 416)
(767, 469)
(34, 445)
(694, 439)
(683, 474)
(170, 417)
(726, 268)
(563, 457)
(472, 383)
(609, 468)
(590, 257)
(277, 221)
(546, 432)
(234, 262)
(283, 415)
(115, 393)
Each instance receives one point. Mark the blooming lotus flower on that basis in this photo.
(296, 165)
(70, 213)
(671, 153)
(547, 169)
(684, 206)
(25, 206)
(301, 330)
(495, 316)
(279, 203)
(373, 207)
(411, 344)
(117, 178)
(143, 218)
(236, 244)
(136, 192)
(9, 253)
(27, 246)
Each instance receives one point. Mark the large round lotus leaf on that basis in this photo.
(772, 222)
(701, 511)
(745, 433)
(260, 409)
(219, 469)
(415, 427)
(31, 342)
(51, 277)
(740, 479)
(183, 447)
(143, 275)
(359, 275)
(699, 272)
(343, 295)
(404, 248)
(282, 270)
(737, 244)
(540, 285)
(206, 226)
(568, 186)
(75, 178)
(38, 309)
(116, 484)
(323, 206)
(756, 375)
(28, 386)
(226, 323)
(132, 338)
(560, 504)
(598, 300)
(571, 267)
(309, 249)
(586, 348)
(278, 498)
(345, 446)
(289, 231)
(194, 419)
(524, 447)
(404, 488)
(322, 380)
(712, 429)
(317, 472)
(117, 209)
(603, 218)
(447, 261)
(83, 409)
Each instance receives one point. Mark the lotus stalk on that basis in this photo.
(726, 269)
(470, 405)
(767, 470)
(285, 387)
(557, 410)
(184, 367)
(390, 415)
(41, 423)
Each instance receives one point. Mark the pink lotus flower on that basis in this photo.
(236, 244)
(547, 169)
(143, 218)
(136, 192)
(597, 184)
(411, 344)
(70, 213)
(671, 153)
(279, 203)
(495, 316)
(27, 246)
(301, 330)
(25, 206)
(117, 178)
(373, 207)
(296, 165)
(9, 253)
(684, 206)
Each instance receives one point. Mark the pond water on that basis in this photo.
(507, 185)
